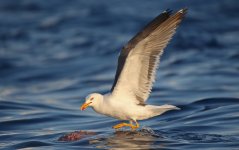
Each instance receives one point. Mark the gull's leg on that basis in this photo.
(131, 122)
(133, 127)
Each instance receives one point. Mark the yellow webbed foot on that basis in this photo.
(133, 127)
(120, 125)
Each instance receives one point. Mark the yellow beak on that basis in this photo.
(85, 105)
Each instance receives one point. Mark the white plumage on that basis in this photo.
(135, 75)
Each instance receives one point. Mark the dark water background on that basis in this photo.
(53, 53)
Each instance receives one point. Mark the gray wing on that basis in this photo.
(138, 60)
(149, 28)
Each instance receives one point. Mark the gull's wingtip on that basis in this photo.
(183, 11)
(168, 11)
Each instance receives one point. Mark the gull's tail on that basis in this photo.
(158, 110)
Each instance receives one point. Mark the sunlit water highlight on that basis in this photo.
(53, 53)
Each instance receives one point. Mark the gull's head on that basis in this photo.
(92, 100)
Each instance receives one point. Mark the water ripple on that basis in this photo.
(52, 54)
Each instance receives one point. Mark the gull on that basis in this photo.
(137, 65)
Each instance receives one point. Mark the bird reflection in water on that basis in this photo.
(142, 139)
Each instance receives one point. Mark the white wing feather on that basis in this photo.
(136, 77)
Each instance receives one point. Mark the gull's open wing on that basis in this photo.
(138, 60)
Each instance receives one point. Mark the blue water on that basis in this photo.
(54, 53)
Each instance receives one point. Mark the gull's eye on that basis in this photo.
(91, 98)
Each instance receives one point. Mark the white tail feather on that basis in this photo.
(170, 107)
(158, 110)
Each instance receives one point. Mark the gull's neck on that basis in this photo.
(101, 106)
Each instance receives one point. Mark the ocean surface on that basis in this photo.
(54, 53)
